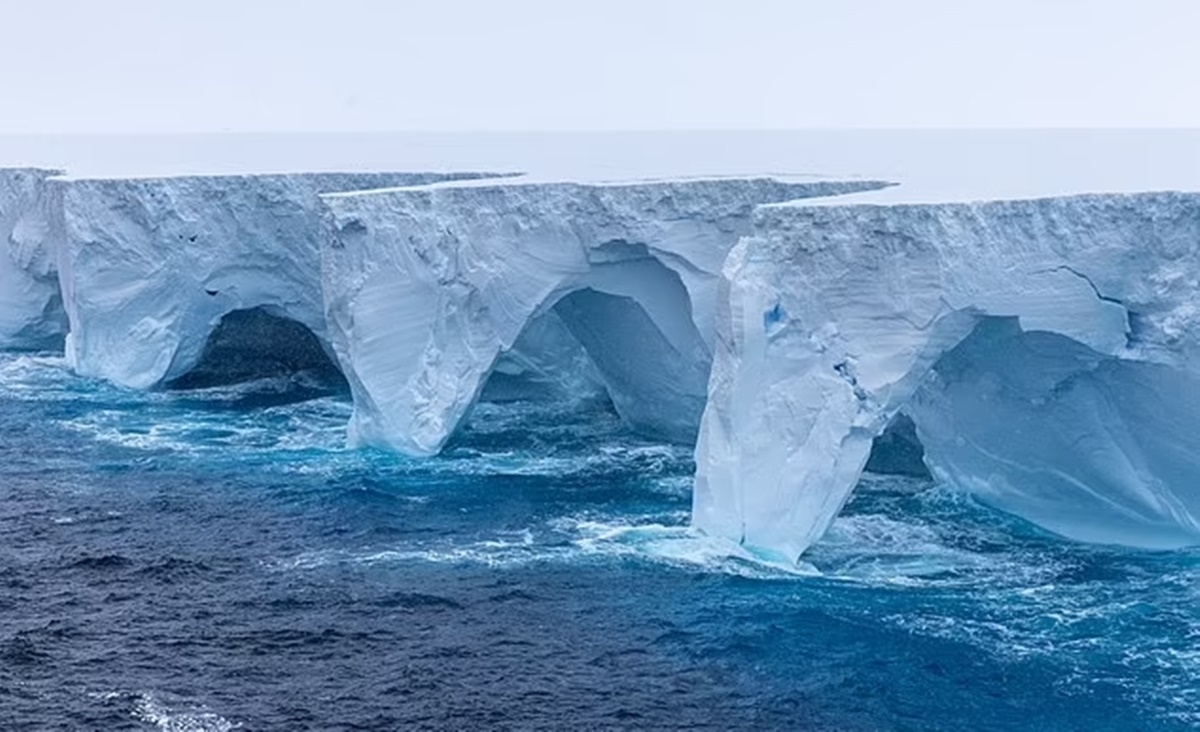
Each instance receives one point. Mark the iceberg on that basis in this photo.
(431, 290)
(1038, 353)
(149, 267)
(31, 314)
(1045, 350)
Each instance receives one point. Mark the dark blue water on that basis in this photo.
(214, 560)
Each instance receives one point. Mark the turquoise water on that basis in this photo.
(215, 559)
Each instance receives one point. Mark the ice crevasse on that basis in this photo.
(1046, 350)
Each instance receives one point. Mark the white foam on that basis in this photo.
(504, 550)
(574, 540)
(682, 547)
(177, 715)
(148, 708)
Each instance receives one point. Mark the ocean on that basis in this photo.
(216, 559)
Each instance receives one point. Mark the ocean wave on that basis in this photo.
(166, 713)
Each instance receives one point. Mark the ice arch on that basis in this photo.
(149, 266)
(427, 288)
(1092, 447)
(836, 317)
(635, 323)
(620, 318)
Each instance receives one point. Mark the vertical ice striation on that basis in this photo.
(429, 288)
(149, 266)
(31, 315)
(1045, 349)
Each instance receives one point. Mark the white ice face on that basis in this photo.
(149, 266)
(1080, 342)
(31, 315)
(428, 289)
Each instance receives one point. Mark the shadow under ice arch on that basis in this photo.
(427, 289)
(260, 343)
(1030, 341)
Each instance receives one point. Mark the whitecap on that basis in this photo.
(149, 708)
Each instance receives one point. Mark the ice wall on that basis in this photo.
(1045, 349)
(31, 315)
(149, 266)
(428, 287)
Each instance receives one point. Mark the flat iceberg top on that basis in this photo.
(42, 172)
(642, 199)
(904, 194)
(382, 178)
(771, 216)
(943, 164)
(540, 184)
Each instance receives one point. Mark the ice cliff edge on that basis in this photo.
(1046, 350)
(31, 314)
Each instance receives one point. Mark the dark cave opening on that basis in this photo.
(898, 451)
(253, 344)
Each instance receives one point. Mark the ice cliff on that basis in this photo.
(1046, 351)
(149, 266)
(31, 315)
(430, 290)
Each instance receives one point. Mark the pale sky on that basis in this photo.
(355, 65)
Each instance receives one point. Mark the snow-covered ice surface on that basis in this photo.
(149, 266)
(31, 314)
(936, 164)
(428, 287)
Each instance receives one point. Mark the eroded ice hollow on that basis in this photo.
(150, 267)
(1045, 349)
(432, 290)
(31, 313)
